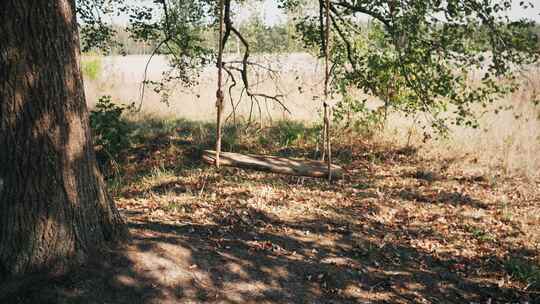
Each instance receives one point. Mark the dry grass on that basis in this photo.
(454, 220)
(503, 145)
(506, 144)
(299, 80)
(400, 228)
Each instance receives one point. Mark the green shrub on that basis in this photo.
(355, 115)
(110, 131)
(288, 133)
(525, 271)
(230, 137)
(91, 67)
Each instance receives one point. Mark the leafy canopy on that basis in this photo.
(428, 57)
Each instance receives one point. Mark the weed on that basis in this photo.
(506, 213)
(114, 185)
(230, 139)
(362, 186)
(482, 235)
(287, 133)
(175, 206)
(524, 270)
(91, 68)
(110, 131)
(479, 233)
(160, 172)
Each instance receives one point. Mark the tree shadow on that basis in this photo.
(454, 198)
(265, 259)
(344, 255)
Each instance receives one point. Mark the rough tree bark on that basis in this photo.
(54, 208)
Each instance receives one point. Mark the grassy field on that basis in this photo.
(299, 79)
(506, 144)
(401, 227)
(447, 221)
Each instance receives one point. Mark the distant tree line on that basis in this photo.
(277, 38)
(262, 38)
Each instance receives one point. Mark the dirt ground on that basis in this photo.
(399, 228)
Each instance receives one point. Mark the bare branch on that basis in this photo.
(245, 63)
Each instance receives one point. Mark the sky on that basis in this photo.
(533, 13)
(272, 15)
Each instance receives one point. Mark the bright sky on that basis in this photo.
(533, 13)
(271, 14)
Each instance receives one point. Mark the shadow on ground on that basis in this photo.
(262, 259)
(346, 252)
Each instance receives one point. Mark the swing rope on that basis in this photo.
(219, 92)
(326, 131)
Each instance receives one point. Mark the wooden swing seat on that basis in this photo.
(281, 165)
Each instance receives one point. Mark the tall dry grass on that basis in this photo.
(506, 144)
(298, 78)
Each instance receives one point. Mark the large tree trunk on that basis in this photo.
(54, 208)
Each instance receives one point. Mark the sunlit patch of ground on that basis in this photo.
(399, 228)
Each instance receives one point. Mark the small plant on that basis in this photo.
(109, 130)
(354, 114)
(230, 137)
(480, 234)
(91, 68)
(525, 271)
(288, 133)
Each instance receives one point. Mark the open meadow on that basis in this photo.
(321, 152)
(506, 143)
(455, 220)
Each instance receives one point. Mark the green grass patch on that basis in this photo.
(480, 234)
(91, 67)
(525, 271)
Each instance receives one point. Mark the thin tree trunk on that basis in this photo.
(54, 208)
